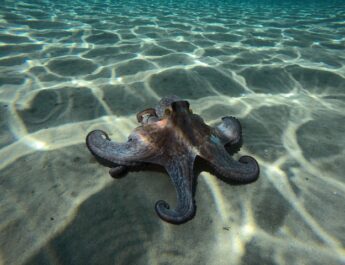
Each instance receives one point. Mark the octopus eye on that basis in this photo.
(167, 112)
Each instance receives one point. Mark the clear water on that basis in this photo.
(67, 67)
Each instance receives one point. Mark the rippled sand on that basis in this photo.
(68, 67)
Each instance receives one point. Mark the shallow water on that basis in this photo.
(68, 67)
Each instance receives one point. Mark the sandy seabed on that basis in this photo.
(68, 67)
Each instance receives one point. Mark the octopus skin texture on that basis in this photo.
(171, 136)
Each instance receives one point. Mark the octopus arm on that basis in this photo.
(245, 170)
(132, 152)
(181, 174)
(229, 131)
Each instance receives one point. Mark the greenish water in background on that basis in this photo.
(67, 67)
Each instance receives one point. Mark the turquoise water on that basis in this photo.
(68, 67)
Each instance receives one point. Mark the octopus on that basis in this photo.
(171, 136)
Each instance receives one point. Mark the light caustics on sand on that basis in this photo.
(64, 72)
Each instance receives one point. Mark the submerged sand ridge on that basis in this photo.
(67, 68)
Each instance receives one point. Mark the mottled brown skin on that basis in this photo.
(171, 136)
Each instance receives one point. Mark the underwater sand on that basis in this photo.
(68, 67)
